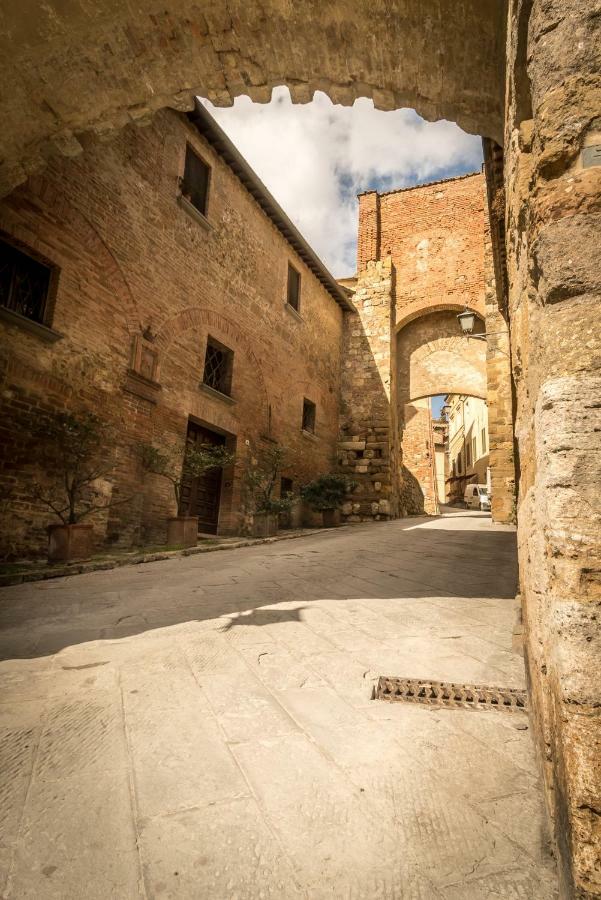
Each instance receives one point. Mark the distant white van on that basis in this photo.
(476, 497)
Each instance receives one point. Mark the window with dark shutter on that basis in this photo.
(219, 364)
(195, 183)
(293, 296)
(24, 283)
(308, 416)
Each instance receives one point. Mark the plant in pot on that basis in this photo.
(179, 465)
(72, 448)
(261, 477)
(325, 494)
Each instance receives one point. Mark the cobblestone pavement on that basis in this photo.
(203, 728)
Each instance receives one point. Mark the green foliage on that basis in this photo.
(261, 475)
(178, 464)
(73, 452)
(327, 491)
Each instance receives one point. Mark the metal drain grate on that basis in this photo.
(446, 693)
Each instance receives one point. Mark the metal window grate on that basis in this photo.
(309, 410)
(447, 693)
(218, 368)
(24, 283)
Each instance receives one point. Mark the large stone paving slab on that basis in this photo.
(203, 727)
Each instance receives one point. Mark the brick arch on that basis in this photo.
(435, 358)
(408, 314)
(66, 216)
(198, 317)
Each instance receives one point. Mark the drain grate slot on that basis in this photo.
(446, 693)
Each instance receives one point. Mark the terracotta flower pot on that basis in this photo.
(331, 518)
(182, 531)
(265, 525)
(69, 542)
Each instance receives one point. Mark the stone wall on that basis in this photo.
(553, 218)
(138, 272)
(366, 424)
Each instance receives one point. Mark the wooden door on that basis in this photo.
(200, 496)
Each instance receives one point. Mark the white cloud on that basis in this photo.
(316, 157)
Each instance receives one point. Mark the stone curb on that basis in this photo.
(136, 559)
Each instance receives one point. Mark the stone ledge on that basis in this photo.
(292, 311)
(25, 324)
(217, 395)
(194, 213)
(141, 386)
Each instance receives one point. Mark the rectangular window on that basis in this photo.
(484, 447)
(195, 183)
(459, 464)
(468, 454)
(24, 283)
(308, 416)
(474, 449)
(219, 365)
(285, 486)
(293, 295)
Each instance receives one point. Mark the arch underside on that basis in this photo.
(102, 72)
(434, 359)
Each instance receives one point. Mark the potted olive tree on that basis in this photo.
(178, 465)
(73, 451)
(261, 477)
(325, 495)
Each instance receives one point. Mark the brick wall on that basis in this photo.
(435, 236)
(435, 239)
(136, 267)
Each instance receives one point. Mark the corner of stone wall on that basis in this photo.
(366, 421)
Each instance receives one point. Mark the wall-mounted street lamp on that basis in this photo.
(467, 320)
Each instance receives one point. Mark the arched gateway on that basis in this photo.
(424, 256)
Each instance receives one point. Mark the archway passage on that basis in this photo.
(434, 360)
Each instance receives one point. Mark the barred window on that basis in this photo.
(24, 283)
(293, 295)
(309, 410)
(219, 364)
(195, 183)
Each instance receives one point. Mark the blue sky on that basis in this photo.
(436, 405)
(316, 157)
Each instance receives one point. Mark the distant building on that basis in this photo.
(468, 446)
(440, 444)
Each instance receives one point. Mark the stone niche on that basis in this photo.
(142, 378)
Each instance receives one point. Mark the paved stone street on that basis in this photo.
(202, 727)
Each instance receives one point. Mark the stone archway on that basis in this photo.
(431, 359)
(91, 67)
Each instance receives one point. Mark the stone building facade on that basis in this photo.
(423, 255)
(469, 458)
(145, 289)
